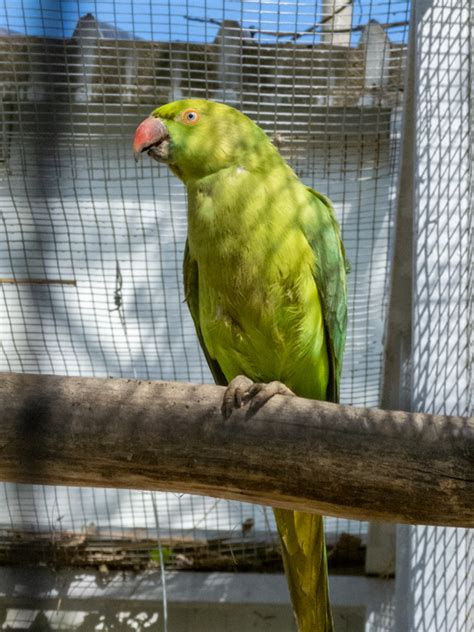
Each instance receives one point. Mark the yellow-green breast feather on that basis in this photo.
(261, 299)
(265, 282)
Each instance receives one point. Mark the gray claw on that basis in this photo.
(242, 391)
(234, 395)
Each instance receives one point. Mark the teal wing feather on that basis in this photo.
(330, 270)
(191, 289)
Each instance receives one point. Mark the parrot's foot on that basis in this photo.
(234, 395)
(242, 391)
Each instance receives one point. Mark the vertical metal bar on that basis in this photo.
(396, 379)
(396, 385)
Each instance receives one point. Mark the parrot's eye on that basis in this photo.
(190, 117)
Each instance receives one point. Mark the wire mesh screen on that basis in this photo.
(436, 579)
(90, 261)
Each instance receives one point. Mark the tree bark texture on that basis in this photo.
(362, 463)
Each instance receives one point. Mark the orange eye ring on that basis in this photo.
(190, 116)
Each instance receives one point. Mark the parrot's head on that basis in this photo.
(197, 138)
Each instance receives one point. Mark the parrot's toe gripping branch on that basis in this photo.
(234, 396)
(242, 391)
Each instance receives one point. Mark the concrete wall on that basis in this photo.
(196, 602)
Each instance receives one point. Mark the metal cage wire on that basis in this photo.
(90, 262)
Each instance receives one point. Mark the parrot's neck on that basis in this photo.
(219, 215)
(225, 215)
(234, 204)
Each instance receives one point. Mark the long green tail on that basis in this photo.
(304, 559)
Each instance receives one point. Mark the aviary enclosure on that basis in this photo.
(371, 104)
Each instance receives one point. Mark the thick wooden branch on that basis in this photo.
(296, 453)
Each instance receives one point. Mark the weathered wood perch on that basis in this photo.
(338, 460)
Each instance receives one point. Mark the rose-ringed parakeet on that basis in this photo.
(265, 282)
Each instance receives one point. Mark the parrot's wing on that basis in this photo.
(191, 289)
(331, 267)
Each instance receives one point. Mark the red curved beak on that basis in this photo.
(149, 134)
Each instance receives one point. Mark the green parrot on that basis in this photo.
(265, 282)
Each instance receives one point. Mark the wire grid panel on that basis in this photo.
(92, 244)
(436, 564)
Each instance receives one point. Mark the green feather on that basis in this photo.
(330, 276)
(265, 282)
(191, 284)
